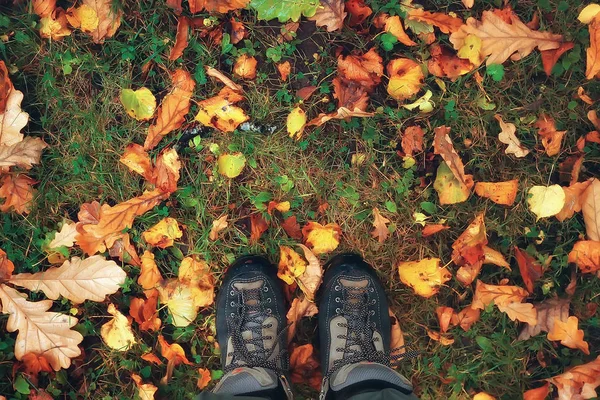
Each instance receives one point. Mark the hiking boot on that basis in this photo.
(355, 331)
(250, 323)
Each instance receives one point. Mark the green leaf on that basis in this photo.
(139, 104)
(388, 41)
(485, 343)
(496, 71)
(428, 207)
(231, 165)
(284, 10)
(391, 206)
(21, 385)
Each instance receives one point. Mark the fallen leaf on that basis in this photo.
(546, 201)
(77, 280)
(109, 19)
(145, 390)
(124, 250)
(330, 14)
(381, 231)
(204, 378)
(291, 226)
(291, 265)
(258, 226)
(217, 6)
(500, 40)
(586, 255)
(469, 248)
(530, 269)
(139, 104)
(218, 225)
(296, 120)
(429, 230)
(12, 117)
(393, 26)
(547, 312)
(89, 213)
(166, 171)
(55, 26)
(6, 87)
(442, 145)
(406, 78)
(438, 337)
(174, 354)
(445, 64)
(588, 13)
(311, 279)
(365, 70)
(299, 309)
(173, 108)
(468, 3)
(568, 334)
(424, 276)
(231, 165)
(446, 23)
(590, 206)
(444, 315)
(466, 318)
(321, 239)
(33, 364)
(284, 68)
(181, 38)
(573, 200)
(283, 207)
(341, 113)
(578, 382)
(522, 312)
(175, 5)
(358, 11)
(305, 92)
(117, 333)
(238, 31)
(498, 294)
(551, 57)
(583, 96)
(151, 358)
(66, 236)
(483, 396)
(471, 50)
(145, 312)
(449, 189)
(538, 393)
(492, 256)
(551, 138)
(149, 274)
(412, 140)
(507, 136)
(43, 8)
(83, 17)
(592, 67)
(6, 266)
(219, 112)
(304, 366)
(245, 67)
(17, 192)
(163, 234)
(503, 193)
(137, 160)
(397, 344)
(23, 154)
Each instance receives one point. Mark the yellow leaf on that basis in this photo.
(163, 233)
(424, 276)
(98, 17)
(137, 160)
(449, 189)
(503, 193)
(219, 112)
(145, 390)
(139, 104)
(55, 25)
(231, 165)
(381, 231)
(296, 121)
(84, 17)
(588, 13)
(483, 396)
(321, 239)
(507, 136)
(117, 333)
(149, 274)
(546, 201)
(423, 103)
(245, 67)
(78, 280)
(471, 50)
(406, 78)
(291, 265)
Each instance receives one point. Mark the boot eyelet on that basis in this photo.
(266, 289)
(232, 304)
(232, 315)
(337, 288)
(337, 310)
(371, 290)
(337, 299)
(269, 300)
(232, 293)
(372, 312)
(269, 311)
(373, 302)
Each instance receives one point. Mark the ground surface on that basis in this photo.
(71, 93)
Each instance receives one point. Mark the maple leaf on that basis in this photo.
(424, 276)
(321, 239)
(568, 334)
(299, 309)
(6, 266)
(444, 315)
(304, 366)
(358, 11)
(245, 67)
(173, 108)
(507, 136)
(443, 63)
(365, 70)
(23, 154)
(218, 225)
(590, 206)
(40, 331)
(312, 277)
(93, 238)
(145, 390)
(546, 201)
(291, 265)
(406, 78)
(145, 312)
(285, 69)
(586, 255)
(219, 112)
(551, 138)
(77, 280)
(498, 294)
(117, 333)
(296, 120)
(330, 14)
(446, 23)
(181, 38)
(530, 269)
(17, 192)
(578, 382)
(501, 39)
(442, 145)
(291, 226)
(412, 140)
(109, 19)
(204, 378)
(503, 193)
(163, 234)
(381, 230)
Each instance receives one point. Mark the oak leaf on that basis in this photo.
(245, 67)
(568, 334)
(117, 333)
(219, 112)
(173, 108)
(500, 39)
(548, 311)
(12, 117)
(218, 225)
(204, 378)
(166, 171)
(358, 11)
(312, 277)
(66, 236)
(381, 230)
(523, 312)
(406, 78)
(503, 193)
(145, 390)
(17, 192)
(538, 393)
(365, 70)
(546, 201)
(578, 382)
(425, 276)
(498, 294)
(590, 206)
(530, 269)
(23, 154)
(163, 234)
(77, 280)
(331, 14)
(586, 255)
(124, 250)
(181, 38)
(137, 160)
(442, 145)
(446, 23)
(300, 308)
(466, 318)
(6, 266)
(412, 140)
(321, 239)
(40, 331)
(145, 312)
(507, 136)
(551, 138)
(291, 265)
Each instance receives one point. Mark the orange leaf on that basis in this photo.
(442, 145)
(365, 69)
(578, 380)
(145, 312)
(381, 231)
(429, 230)
(547, 312)
(569, 335)
(530, 269)
(163, 234)
(203, 379)
(444, 315)
(43, 8)
(537, 394)
(469, 247)
(467, 273)
(503, 193)
(17, 193)
(592, 67)
(292, 227)
(446, 23)
(350, 95)
(151, 358)
(238, 31)
(445, 63)
(500, 295)
(173, 108)
(590, 206)
(573, 200)
(321, 238)
(406, 78)
(6, 87)
(258, 226)
(438, 337)
(284, 68)
(551, 138)
(220, 112)
(551, 57)
(412, 140)
(358, 11)
(218, 6)
(181, 39)
(172, 352)
(304, 366)
(33, 364)
(124, 250)
(393, 26)
(218, 225)
(466, 318)
(6, 266)
(586, 255)
(305, 92)
(137, 160)
(175, 5)
(245, 67)
(149, 275)
(215, 73)
(166, 171)
(299, 309)
(523, 312)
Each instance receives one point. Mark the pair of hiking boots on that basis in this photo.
(354, 331)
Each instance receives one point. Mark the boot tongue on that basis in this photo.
(365, 370)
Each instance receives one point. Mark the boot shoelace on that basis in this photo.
(250, 316)
(360, 343)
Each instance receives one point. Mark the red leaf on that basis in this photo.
(530, 269)
(550, 57)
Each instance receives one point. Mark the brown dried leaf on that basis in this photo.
(310, 280)
(381, 231)
(181, 39)
(412, 140)
(442, 145)
(17, 192)
(330, 14)
(590, 206)
(507, 136)
(299, 309)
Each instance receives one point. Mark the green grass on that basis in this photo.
(71, 92)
